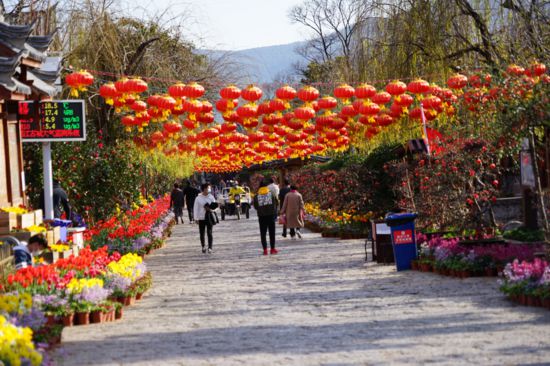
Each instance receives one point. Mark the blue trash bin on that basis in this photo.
(403, 237)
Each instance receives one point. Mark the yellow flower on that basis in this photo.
(16, 210)
(59, 247)
(16, 344)
(36, 229)
(76, 285)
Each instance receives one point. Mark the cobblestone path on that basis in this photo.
(316, 303)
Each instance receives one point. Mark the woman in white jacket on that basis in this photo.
(200, 209)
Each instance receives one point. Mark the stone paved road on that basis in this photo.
(316, 303)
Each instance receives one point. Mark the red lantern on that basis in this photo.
(304, 113)
(109, 93)
(247, 111)
(418, 86)
(135, 86)
(206, 106)
(265, 108)
(285, 93)
(381, 98)
(344, 92)
(172, 127)
(79, 81)
(327, 103)
(177, 91)
(193, 90)
(536, 69)
(515, 70)
(230, 92)
(369, 109)
(308, 94)
(365, 91)
(349, 111)
(139, 106)
(457, 81)
(383, 120)
(404, 100)
(396, 87)
(224, 105)
(251, 93)
(277, 105)
(205, 118)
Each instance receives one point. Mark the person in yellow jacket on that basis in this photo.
(236, 189)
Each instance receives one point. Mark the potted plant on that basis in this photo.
(82, 312)
(118, 310)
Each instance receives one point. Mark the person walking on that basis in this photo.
(282, 194)
(273, 187)
(293, 208)
(177, 201)
(201, 210)
(190, 193)
(266, 205)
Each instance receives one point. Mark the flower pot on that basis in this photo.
(523, 299)
(425, 267)
(546, 303)
(533, 301)
(50, 320)
(67, 320)
(111, 315)
(491, 272)
(139, 295)
(120, 300)
(129, 300)
(414, 265)
(82, 318)
(96, 316)
(118, 314)
(464, 274)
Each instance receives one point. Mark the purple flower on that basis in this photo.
(94, 295)
(117, 283)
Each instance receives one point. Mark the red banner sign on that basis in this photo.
(403, 237)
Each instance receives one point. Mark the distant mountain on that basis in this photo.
(265, 64)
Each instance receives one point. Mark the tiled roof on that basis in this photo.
(8, 66)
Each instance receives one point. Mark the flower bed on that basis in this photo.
(331, 223)
(454, 258)
(527, 283)
(136, 231)
(91, 287)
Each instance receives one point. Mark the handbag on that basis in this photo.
(282, 219)
(211, 218)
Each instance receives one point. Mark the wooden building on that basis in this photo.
(22, 55)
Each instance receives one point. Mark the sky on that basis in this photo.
(233, 24)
